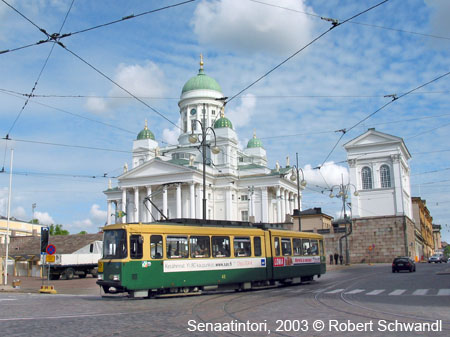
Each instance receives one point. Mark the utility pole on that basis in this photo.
(8, 217)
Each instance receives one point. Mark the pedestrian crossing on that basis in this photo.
(368, 292)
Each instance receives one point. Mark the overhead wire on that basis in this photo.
(43, 67)
(354, 22)
(56, 37)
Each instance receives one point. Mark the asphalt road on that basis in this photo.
(370, 300)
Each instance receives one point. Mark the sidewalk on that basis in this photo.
(76, 286)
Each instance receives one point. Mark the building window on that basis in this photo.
(366, 176)
(244, 215)
(213, 112)
(385, 176)
(193, 125)
(244, 197)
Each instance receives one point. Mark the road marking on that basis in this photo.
(355, 291)
(419, 292)
(297, 291)
(375, 292)
(443, 292)
(334, 291)
(397, 292)
(8, 299)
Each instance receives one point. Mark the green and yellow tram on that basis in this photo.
(166, 258)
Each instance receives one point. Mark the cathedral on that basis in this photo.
(207, 163)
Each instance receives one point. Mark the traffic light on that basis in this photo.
(44, 238)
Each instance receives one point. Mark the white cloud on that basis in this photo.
(19, 213)
(170, 136)
(44, 218)
(97, 215)
(242, 114)
(145, 80)
(440, 24)
(236, 24)
(329, 174)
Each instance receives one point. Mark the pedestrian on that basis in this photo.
(331, 258)
(336, 257)
(341, 258)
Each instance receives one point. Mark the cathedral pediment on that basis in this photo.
(372, 137)
(155, 167)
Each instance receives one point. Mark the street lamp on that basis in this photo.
(343, 193)
(193, 138)
(303, 183)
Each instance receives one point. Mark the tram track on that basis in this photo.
(376, 313)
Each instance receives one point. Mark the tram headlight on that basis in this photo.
(116, 277)
(100, 277)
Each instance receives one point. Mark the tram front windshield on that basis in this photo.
(115, 244)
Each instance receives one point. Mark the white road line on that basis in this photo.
(334, 291)
(355, 291)
(443, 292)
(8, 299)
(419, 292)
(397, 292)
(297, 290)
(375, 292)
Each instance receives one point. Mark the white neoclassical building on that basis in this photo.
(239, 185)
(380, 171)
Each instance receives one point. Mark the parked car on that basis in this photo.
(403, 263)
(436, 258)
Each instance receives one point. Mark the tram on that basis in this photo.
(169, 257)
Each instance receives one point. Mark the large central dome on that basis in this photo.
(201, 82)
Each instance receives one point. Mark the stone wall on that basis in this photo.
(374, 239)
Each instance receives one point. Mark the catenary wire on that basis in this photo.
(303, 48)
(42, 69)
(57, 37)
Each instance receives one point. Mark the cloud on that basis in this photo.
(440, 25)
(241, 115)
(329, 174)
(146, 80)
(96, 219)
(170, 136)
(19, 213)
(44, 218)
(245, 25)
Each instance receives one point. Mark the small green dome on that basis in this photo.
(254, 142)
(223, 122)
(146, 133)
(201, 81)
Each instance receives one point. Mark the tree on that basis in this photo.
(83, 232)
(447, 251)
(58, 230)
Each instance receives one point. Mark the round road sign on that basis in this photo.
(51, 249)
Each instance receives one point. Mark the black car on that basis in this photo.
(403, 263)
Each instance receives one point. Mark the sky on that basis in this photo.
(330, 84)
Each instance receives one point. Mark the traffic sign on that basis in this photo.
(51, 249)
(50, 258)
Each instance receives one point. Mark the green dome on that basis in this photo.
(223, 122)
(146, 133)
(201, 81)
(254, 142)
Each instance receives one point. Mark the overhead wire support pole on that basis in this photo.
(7, 239)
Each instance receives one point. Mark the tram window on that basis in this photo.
(286, 246)
(115, 244)
(322, 251)
(136, 242)
(177, 247)
(314, 247)
(276, 244)
(242, 246)
(156, 247)
(221, 246)
(297, 244)
(257, 245)
(306, 247)
(199, 246)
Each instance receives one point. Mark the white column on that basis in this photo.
(108, 219)
(228, 204)
(165, 200)
(148, 209)
(178, 201)
(283, 205)
(199, 202)
(136, 204)
(252, 201)
(295, 201)
(124, 205)
(192, 199)
(278, 204)
(291, 203)
(264, 205)
(116, 209)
